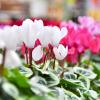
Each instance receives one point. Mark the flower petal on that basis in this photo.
(37, 53)
(60, 52)
(12, 59)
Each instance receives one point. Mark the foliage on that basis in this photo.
(50, 63)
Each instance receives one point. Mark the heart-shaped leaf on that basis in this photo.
(87, 73)
(85, 82)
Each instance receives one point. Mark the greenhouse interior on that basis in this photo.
(49, 49)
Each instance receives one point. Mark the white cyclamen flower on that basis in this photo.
(60, 52)
(45, 36)
(2, 44)
(58, 35)
(11, 59)
(51, 35)
(37, 53)
(11, 37)
(29, 31)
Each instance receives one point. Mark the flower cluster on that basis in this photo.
(82, 36)
(43, 74)
(40, 43)
(38, 40)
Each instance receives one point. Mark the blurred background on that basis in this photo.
(14, 11)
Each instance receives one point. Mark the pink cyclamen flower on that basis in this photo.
(86, 21)
(94, 44)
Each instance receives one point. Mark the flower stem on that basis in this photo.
(54, 64)
(30, 58)
(26, 54)
(3, 61)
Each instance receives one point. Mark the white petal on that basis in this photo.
(12, 59)
(56, 29)
(37, 53)
(45, 36)
(29, 30)
(16, 37)
(58, 35)
(60, 52)
(64, 32)
(38, 25)
(27, 33)
(10, 37)
(2, 44)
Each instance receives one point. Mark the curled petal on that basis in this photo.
(64, 32)
(37, 53)
(58, 35)
(60, 52)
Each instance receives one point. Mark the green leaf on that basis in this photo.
(26, 71)
(38, 79)
(58, 93)
(96, 68)
(38, 85)
(85, 58)
(46, 97)
(66, 83)
(39, 89)
(95, 58)
(85, 82)
(68, 75)
(58, 70)
(71, 96)
(97, 82)
(17, 78)
(92, 94)
(71, 80)
(84, 72)
(52, 79)
(10, 89)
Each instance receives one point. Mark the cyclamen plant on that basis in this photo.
(81, 37)
(29, 33)
(53, 63)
